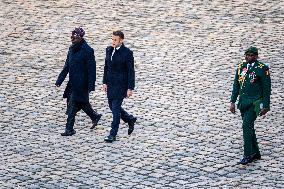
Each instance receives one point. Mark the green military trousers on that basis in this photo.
(249, 137)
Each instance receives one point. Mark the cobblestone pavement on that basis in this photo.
(185, 52)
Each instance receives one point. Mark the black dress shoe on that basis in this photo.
(110, 138)
(95, 122)
(256, 157)
(131, 125)
(245, 160)
(68, 133)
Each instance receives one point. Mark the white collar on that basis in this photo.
(117, 47)
(251, 65)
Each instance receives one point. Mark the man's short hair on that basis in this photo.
(118, 33)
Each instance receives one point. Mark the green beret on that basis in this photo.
(252, 50)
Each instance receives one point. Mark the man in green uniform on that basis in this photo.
(253, 86)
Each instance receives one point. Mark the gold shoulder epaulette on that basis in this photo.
(241, 63)
(260, 65)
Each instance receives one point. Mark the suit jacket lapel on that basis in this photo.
(121, 48)
(109, 52)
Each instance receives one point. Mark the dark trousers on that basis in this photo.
(74, 107)
(118, 113)
(249, 137)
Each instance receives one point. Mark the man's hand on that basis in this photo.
(105, 88)
(263, 111)
(129, 93)
(233, 108)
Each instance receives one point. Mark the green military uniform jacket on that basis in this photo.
(252, 85)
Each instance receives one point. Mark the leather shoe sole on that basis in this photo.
(68, 133)
(95, 123)
(256, 157)
(249, 159)
(110, 139)
(131, 125)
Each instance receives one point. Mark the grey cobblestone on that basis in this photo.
(185, 56)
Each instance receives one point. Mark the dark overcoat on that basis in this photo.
(81, 66)
(119, 74)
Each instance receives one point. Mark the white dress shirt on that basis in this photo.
(114, 49)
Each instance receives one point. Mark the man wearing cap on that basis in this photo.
(253, 86)
(81, 66)
(118, 82)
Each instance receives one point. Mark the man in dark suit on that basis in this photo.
(118, 82)
(81, 66)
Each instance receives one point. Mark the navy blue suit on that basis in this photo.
(119, 76)
(81, 66)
